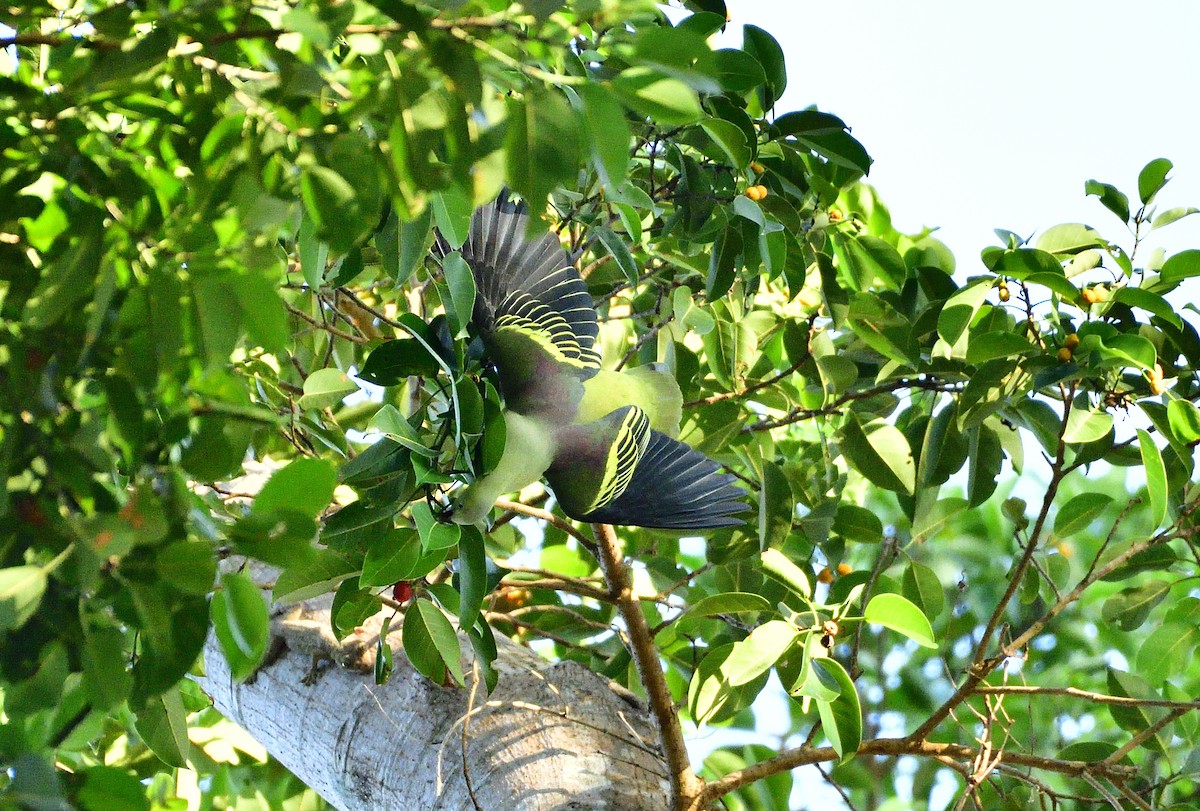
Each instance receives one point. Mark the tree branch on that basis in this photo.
(894, 747)
(686, 787)
(925, 383)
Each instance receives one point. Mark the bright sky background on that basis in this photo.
(985, 115)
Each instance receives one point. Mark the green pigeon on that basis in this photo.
(602, 440)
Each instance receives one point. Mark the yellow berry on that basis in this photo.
(753, 192)
(844, 568)
(809, 298)
(1072, 341)
(1064, 355)
(835, 216)
(1004, 294)
(757, 167)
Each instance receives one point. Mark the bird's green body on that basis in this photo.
(602, 439)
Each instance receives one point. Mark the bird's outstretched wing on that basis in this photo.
(528, 287)
(649, 479)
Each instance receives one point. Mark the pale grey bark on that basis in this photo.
(551, 737)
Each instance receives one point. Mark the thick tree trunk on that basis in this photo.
(552, 736)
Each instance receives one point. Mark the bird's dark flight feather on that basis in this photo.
(674, 487)
(528, 284)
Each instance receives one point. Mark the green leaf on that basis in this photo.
(1089, 752)
(619, 251)
(461, 284)
(162, 725)
(841, 719)
(68, 280)
(990, 345)
(451, 213)
(1165, 218)
(666, 101)
(1180, 266)
(738, 71)
(960, 309)
(241, 624)
(106, 678)
(722, 263)
(1110, 197)
(106, 787)
(1129, 608)
(391, 423)
(814, 682)
(326, 388)
(541, 145)
(758, 653)
(1154, 559)
(1087, 425)
(732, 602)
(1069, 238)
(1079, 512)
(931, 520)
(776, 507)
(986, 455)
(1135, 718)
(1184, 418)
(395, 556)
(430, 642)
(895, 612)
(393, 361)
(1150, 302)
(434, 534)
(607, 133)
(766, 51)
(710, 696)
(1156, 477)
(21, 590)
(730, 139)
(880, 452)
(857, 524)
(351, 607)
(472, 576)
(1129, 350)
(1152, 178)
(922, 587)
(871, 262)
(776, 564)
(319, 574)
(304, 486)
(1167, 651)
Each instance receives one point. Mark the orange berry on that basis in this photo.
(1064, 355)
(809, 298)
(826, 575)
(835, 216)
(757, 167)
(1157, 385)
(753, 192)
(844, 569)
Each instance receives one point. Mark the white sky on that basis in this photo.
(985, 115)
